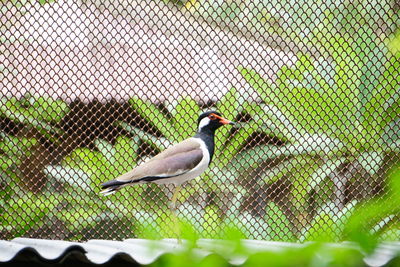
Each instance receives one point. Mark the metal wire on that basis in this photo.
(90, 89)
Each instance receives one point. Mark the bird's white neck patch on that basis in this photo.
(205, 121)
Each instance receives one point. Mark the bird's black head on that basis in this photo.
(211, 121)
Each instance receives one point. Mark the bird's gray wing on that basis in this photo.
(184, 146)
(173, 161)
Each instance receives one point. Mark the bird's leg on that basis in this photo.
(174, 197)
(175, 222)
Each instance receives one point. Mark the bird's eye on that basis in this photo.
(212, 117)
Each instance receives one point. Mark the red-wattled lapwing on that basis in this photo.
(177, 164)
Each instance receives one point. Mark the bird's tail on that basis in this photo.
(112, 186)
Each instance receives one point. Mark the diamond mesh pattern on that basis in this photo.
(90, 89)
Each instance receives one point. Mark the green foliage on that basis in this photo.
(79, 209)
(107, 162)
(76, 208)
(39, 113)
(155, 117)
(311, 155)
(374, 218)
(39, 108)
(12, 151)
(234, 250)
(330, 105)
(394, 44)
(310, 255)
(333, 111)
(277, 220)
(32, 211)
(85, 169)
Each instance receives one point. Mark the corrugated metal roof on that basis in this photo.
(143, 252)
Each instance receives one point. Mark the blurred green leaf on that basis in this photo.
(324, 171)
(394, 44)
(185, 117)
(37, 112)
(154, 116)
(371, 161)
(230, 103)
(74, 177)
(159, 143)
(321, 229)
(313, 107)
(367, 216)
(126, 153)
(13, 149)
(237, 142)
(110, 162)
(29, 212)
(229, 106)
(329, 107)
(278, 223)
(106, 149)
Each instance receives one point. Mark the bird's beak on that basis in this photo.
(225, 121)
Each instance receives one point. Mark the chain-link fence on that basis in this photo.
(90, 89)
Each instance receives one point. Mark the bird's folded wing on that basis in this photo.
(173, 161)
(186, 145)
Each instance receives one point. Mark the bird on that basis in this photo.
(177, 164)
